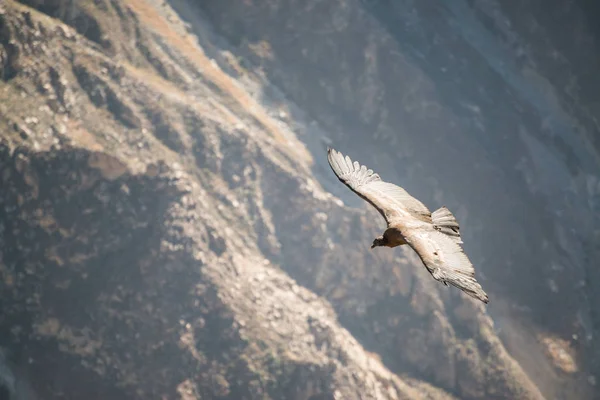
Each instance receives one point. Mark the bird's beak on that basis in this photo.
(372, 246)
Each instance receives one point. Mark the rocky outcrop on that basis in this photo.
(113, 279)
(469, 103)
(164, 232)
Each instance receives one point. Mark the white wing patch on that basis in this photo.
(446, 261)
(389, 199)
(400, 198)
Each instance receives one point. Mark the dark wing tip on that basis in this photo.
(331, 153)
(480, 295)
(476, 291)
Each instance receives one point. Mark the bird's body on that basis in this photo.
(433, 235)
(393, 237)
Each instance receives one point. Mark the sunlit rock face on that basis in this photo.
(486, 107)
(169, 227)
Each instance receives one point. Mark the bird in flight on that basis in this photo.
(434, 236)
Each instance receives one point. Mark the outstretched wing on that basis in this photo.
(445, 260)
(390, 200)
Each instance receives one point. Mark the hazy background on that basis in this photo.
(487, 108)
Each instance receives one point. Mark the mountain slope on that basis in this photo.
(164, 236)
(485, 107)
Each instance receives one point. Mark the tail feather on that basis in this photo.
(444, 221)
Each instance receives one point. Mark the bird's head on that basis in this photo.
(378, 241)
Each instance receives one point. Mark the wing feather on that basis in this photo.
(445, 260)
(390, 200)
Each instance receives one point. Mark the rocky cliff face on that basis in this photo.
(488, 108)
(166, 228)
